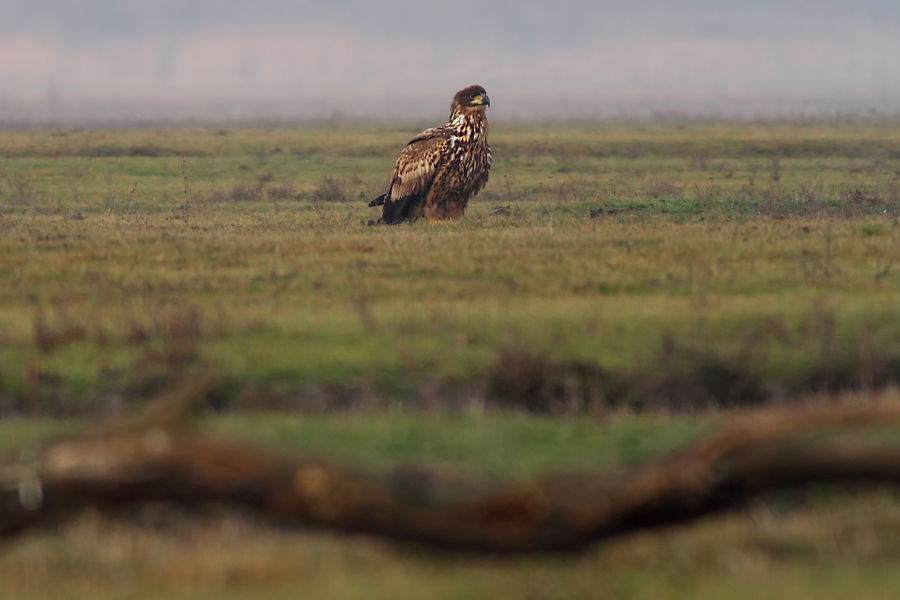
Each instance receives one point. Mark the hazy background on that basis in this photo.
(118, 61)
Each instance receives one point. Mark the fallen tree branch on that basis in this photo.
(150, 462)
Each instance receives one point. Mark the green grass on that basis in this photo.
(506, 446)
(771, 251)
(503, 446)
(645, 264)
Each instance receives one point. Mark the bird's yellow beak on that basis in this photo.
(482, 100)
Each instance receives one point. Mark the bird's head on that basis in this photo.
(471, 98)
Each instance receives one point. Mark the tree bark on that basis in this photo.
(760, 453)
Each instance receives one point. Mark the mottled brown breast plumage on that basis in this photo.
(441, 168)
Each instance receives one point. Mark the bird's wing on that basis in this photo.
(417, 164)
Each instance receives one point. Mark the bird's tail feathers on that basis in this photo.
(379, 201)
(397, 211)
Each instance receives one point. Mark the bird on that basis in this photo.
(442, 167)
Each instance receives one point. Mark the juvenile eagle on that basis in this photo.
(441, 168)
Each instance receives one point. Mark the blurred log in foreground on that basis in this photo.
(136, 464)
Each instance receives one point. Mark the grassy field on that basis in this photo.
(605, 265)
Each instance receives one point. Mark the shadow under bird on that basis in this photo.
(441, 168)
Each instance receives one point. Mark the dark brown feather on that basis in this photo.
(441, 168)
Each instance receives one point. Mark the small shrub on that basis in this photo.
(285, 191)
(330, 190)
(662, 188)
(247, 192)
(21, 192)
(215, 196)
(538, 384)
(860, 197)
(567, 192)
